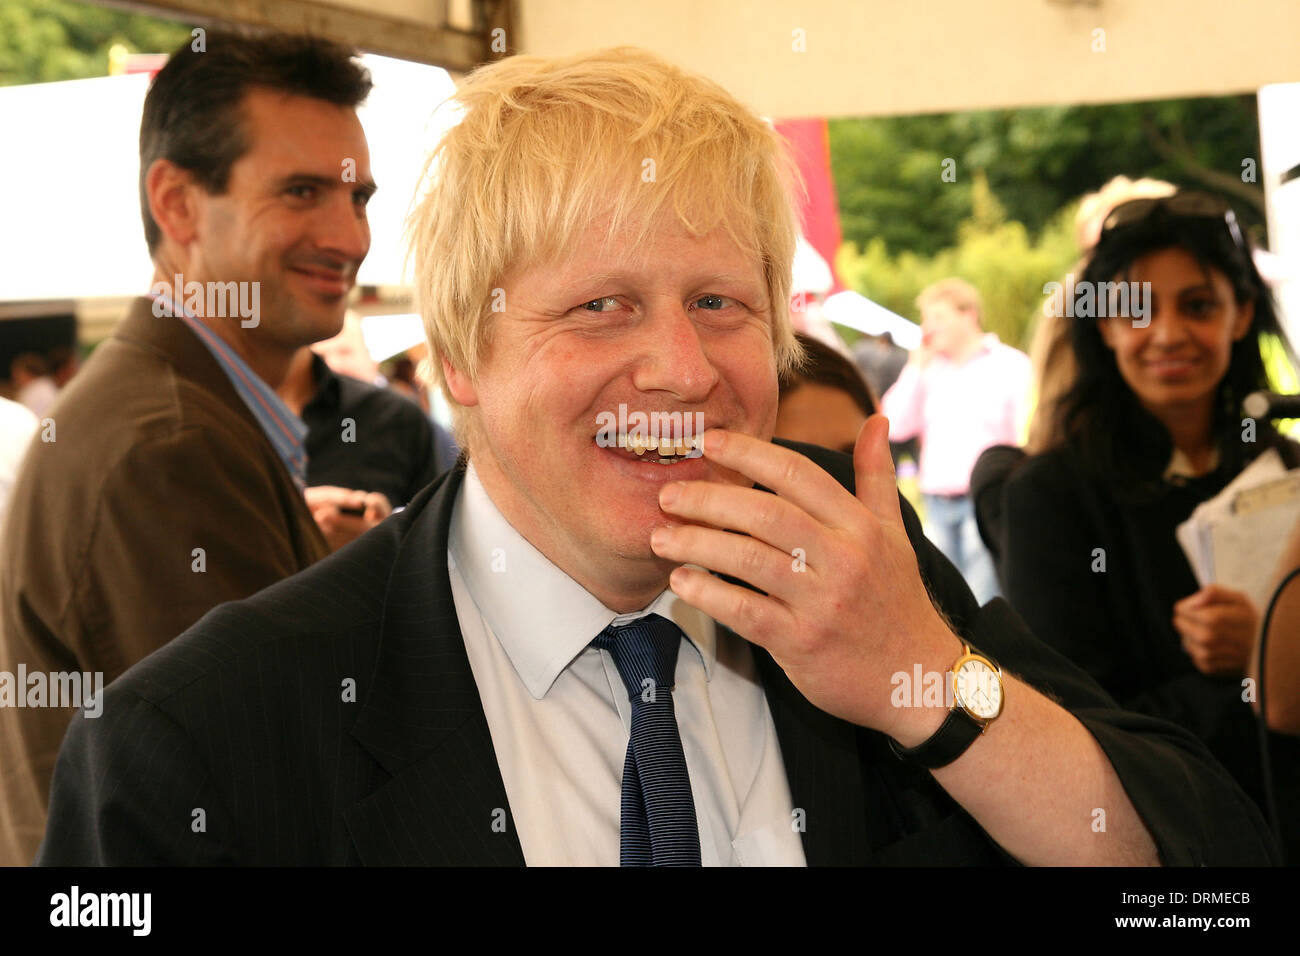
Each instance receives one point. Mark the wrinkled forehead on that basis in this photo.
(603, 218)
(286, 131)
(641, 243)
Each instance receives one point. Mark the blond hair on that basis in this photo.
(1095, 207)
(548, 146)
(958, 293)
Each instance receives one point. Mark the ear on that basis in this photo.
(459, 384)
(171, 192)
(1245, 316)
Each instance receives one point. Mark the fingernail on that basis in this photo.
(659, 539)
(669, 493)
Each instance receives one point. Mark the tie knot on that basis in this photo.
(645, 653)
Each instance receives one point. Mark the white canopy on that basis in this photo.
(842, 57)
(858, 312)
(73, 217)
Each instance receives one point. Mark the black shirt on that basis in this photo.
(1062, 527)
(368, 438)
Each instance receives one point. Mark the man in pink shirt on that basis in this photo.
(961, 392)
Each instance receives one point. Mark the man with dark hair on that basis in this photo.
(194, 116)
(176, 479)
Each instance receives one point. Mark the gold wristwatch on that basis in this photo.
(976, 683)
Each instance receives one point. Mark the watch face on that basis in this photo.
(979, 689)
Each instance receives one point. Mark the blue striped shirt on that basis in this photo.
(286, 431)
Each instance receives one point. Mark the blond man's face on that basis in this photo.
(945, 328)
(679, 325)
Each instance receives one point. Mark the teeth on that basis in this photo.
(660, 447)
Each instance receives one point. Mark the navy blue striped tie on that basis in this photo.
(657, 824)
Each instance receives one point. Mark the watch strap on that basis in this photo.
(957, 732)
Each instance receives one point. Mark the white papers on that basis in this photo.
(1237, 537)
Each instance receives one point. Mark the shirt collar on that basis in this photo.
(285, 430)
(543, 618)
(1180, 468)
(988, 342)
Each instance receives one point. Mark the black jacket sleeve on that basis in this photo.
(1194, 810)
(129, 789)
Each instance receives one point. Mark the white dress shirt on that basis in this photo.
(560, 718)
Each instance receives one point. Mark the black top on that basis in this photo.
(1117, 623)
(369, 438)
(244, 716)
(988, 480)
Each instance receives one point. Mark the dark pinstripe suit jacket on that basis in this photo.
(239, 742)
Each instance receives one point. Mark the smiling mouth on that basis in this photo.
(662, 451)
(338, 282)
(1173, 365)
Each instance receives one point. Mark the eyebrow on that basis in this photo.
(326, 182)
(714, 277)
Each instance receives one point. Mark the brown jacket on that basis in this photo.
(159, 498)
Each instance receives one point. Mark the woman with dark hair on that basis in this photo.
(1151, 428)
(824, 401)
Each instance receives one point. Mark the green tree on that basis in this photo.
(46, 40)
(889, 170)
(1000, 257)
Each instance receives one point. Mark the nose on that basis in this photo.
(1166, 329)
(344, 230)
(674, 358)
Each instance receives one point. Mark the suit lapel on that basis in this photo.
(424, 723)
(423, 720)
(823, 767)
(174, 341)
(821, 758)
(863, 805)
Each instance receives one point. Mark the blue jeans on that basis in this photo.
(950, 525)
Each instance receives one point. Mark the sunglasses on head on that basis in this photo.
(1182, 205)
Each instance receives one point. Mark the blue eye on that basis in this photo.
(302, 192)
(595, 305)
(717, 302)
